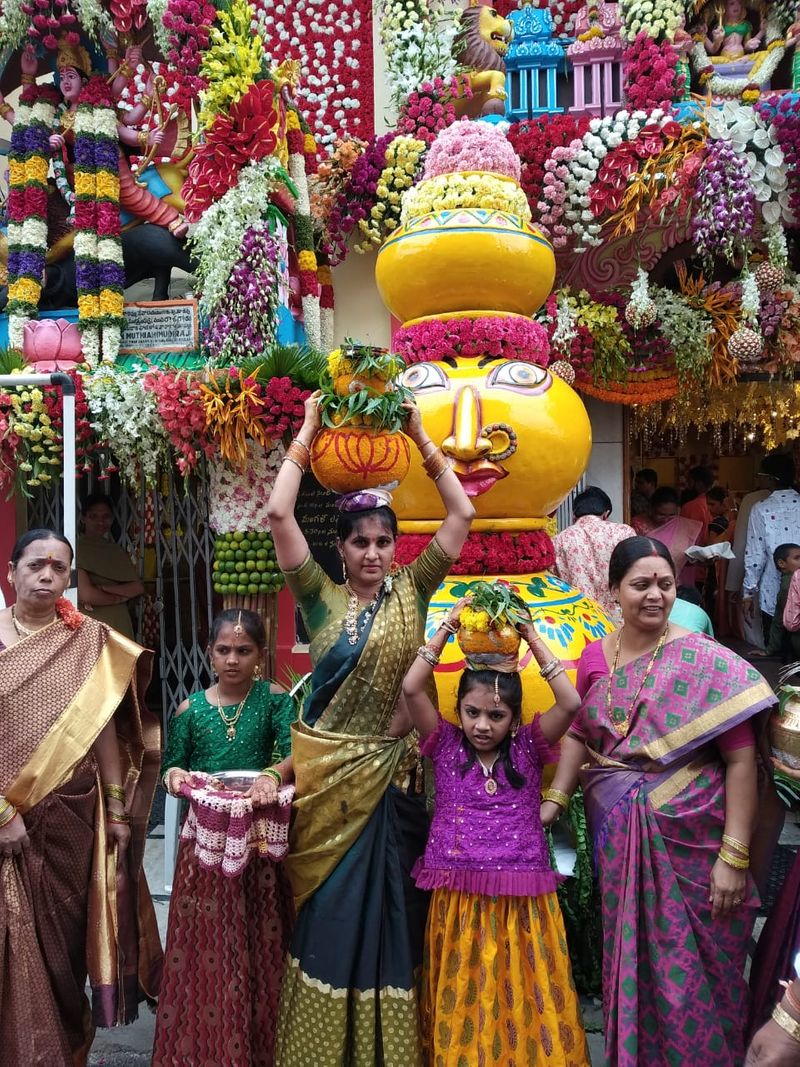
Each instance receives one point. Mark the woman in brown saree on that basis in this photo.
(107, 580)
(78, 766)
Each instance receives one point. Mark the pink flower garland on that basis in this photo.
(554, 192)
(485, 553)
(503, 337)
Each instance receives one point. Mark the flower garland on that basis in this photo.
(534, 140)
(217, 238)
(651, 76)
(332, 42)
(783, 116)
(687, 329)
(37, 443)
(757, 140)
(451, 192)
(326, 341)
(29, 160)
(187, 25)
(180, 408)
(502, 337)
(471, 146)
(231, 63)
(430, 109)
(329, 198)
(417, 38)
(99, 270)
(489, 553)
(249, 133)
(125, 416)
(569, 180)
(355, 196)
(402, 165)
(748, 88)
(244, 321)
(724, 214)
(563, 13)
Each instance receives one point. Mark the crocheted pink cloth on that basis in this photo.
(227, 831)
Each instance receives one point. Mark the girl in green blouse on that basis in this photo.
(227, 937)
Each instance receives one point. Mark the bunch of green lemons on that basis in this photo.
(244, 564)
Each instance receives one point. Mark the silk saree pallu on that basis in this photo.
(673, 985)
(349, 995)
(66, 906)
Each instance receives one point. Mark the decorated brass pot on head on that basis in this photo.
(488, 634)
(784, 727)
(361, 445)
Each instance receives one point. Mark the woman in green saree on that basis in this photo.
(107, 579)
(349, 994)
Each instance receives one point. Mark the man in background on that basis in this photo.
(584, 549)
(773, 522)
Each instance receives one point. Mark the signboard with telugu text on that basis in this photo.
(160, 326)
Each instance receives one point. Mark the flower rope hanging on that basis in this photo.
(29, 160)
(99, 271)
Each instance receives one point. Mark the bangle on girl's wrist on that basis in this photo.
(447, 625)
(556, 796)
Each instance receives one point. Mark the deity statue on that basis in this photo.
(731, 56)
(732, 35)
(74, 68)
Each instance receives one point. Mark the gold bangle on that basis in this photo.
(428, 655)
(737, 846)
(786, 1022)
(28, 79)
(115, 792)
(142, 138)
(118, 817)
(5, 109)
(8, 814)
(737, 862)
(556, 796)
(435, 465)
(794, 1003)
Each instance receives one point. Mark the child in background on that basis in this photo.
(497, 984)
(781, 642)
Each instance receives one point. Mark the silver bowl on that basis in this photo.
(236, 781)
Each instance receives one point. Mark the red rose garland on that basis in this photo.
(534, 140)
(485, 553)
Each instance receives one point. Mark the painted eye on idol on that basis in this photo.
(515, 374)
(424, 376)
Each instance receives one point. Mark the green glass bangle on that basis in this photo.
(273, 772)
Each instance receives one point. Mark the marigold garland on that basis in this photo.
(29, 160)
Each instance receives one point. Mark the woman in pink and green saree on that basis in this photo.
(668, 727)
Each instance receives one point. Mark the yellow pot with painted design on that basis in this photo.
(565, 619)
(450, 261)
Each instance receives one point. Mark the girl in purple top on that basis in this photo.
(497, 985)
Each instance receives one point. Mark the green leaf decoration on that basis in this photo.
(499, 601)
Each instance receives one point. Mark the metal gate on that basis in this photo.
(165, 531)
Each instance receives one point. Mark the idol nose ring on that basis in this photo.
(465, 442)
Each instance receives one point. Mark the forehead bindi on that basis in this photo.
(41, 552)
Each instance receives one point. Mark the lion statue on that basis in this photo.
(482, 41)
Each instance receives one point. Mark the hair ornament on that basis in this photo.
(238, 629)
(497, 690)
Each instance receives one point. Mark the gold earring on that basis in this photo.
(257, 676)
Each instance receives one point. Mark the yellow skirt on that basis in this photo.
(497, 985)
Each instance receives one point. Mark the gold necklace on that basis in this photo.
(490, 785)
(351, 616)
(231, 721)
(23, 631)
(622, 725)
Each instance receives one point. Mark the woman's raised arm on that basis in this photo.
(291, 547)
(452, 534)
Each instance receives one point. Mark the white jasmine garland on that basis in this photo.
(751, 300)
(13, 25)
(93, 19)
(156, 9)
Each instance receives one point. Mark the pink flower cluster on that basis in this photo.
(283, 407)
(430, 109)
(650, 73)
(501, 336)
(180, 408)
(554, 193)
(784, 114)
(188, 23)
(471, 146)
